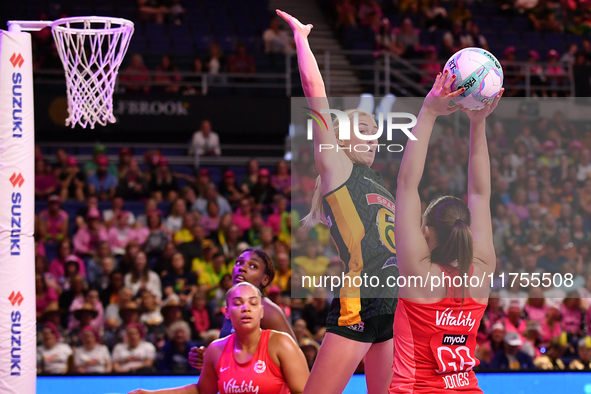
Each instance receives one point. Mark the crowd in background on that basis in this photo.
(164, 271)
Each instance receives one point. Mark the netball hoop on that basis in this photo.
(91, 49)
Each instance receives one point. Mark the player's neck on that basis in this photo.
(248, 341)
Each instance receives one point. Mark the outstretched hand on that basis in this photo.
(437, 101)
(298, 27)
(481, 114)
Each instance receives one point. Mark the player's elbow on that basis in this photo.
(314, 88)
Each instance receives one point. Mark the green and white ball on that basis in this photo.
(479, 72)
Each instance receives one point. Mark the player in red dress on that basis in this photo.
(435, 328)
(251, 360)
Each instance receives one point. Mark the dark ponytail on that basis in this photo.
(450, 218)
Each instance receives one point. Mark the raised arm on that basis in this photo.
(479, 188)
(411, 248)
(313, 85)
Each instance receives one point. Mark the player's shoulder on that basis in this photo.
(219, 344)
(280, 339)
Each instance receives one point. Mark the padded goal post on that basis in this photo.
(17, 216)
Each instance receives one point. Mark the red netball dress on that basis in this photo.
(435, 343)
(259, 375)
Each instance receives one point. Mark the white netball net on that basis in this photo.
(92, 49)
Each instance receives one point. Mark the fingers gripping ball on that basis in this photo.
(479, 72)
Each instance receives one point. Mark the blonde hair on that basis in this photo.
(316, 214)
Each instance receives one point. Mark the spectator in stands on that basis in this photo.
(573, 316)
(312, 263)
(243, 216)
(263, 192)
(279, 219)
(152, 10)
(174, 221)
(346, 14)
(266, 241)
(199, 315)
(283, 271)
(87, 238)
(167, 78)
(136, 77)
(405, 40)
(209, 194)
(583, 361)
(316, 312)
(281, 181)
(552, 261)
(241, 62)
(513, 322)
(191, 88)
(90, 303)
(113, 310)
(369, 12)
(122, 233)
(72, 181)
(435, 16)
(110, 216)
(46, 183)
(277, 41)
(579, 236)
(64, 254)
(211, 221)
(551, 359)
(473, 37)
(141, 277)
(568, 58)
(210, 276)
(158, 237)
(518, 204)
(310, 349)
(136, 355)
(174, 355)
(101, 183)
(229, 188)
(554, 73)
(150, 312)
(192, 250)
(460, 13)
(132, 183)
(536, 308)
(184, 234)
(431, 67)
(131, 250)
(511, 357)
(252, 236)
(162, 180)
(53, 356)
(537, 78)
(91, 167)
(53, 221)
(176, 12)
(215, 62)
(205, 142)
(125, 159)
(92, 356)
(179, 280)
(229, 243)
(251, 177)
(551, 326)
(453, 40)
(45, 295)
